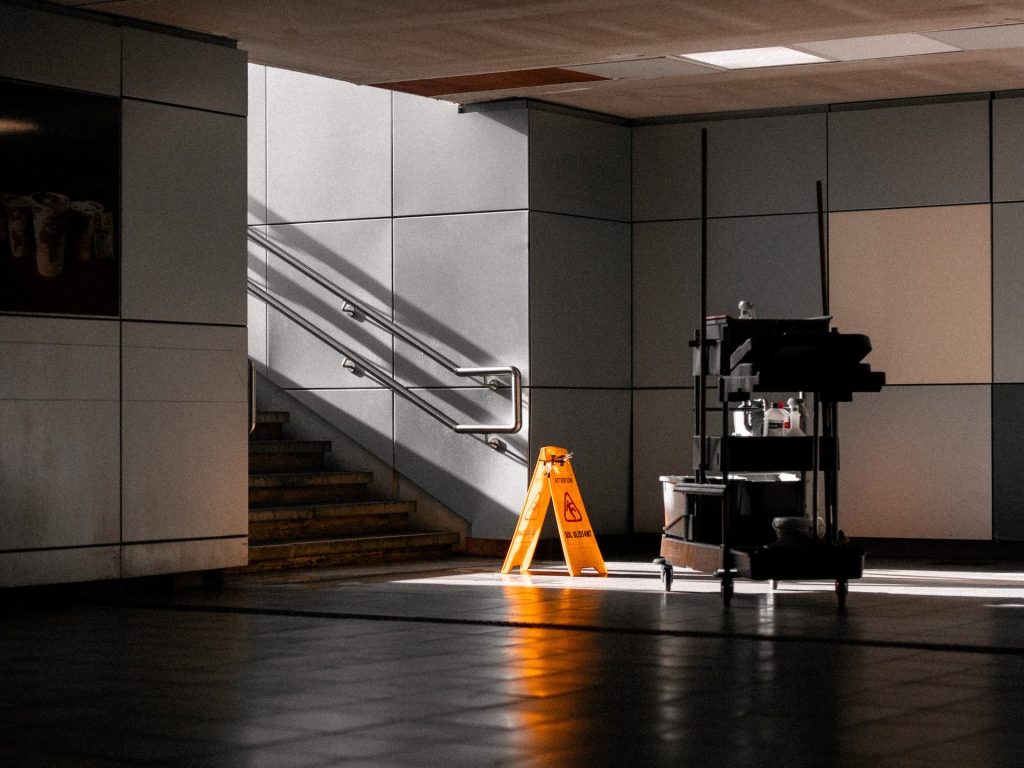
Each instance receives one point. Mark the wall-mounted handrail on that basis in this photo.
(252, 397)
(385, 379)
(373, 315)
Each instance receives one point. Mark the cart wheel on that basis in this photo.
(727, 590)
(842, 590)
(666, 576)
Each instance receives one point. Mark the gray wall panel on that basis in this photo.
(59, 471)
(59, 446)
(184, 418)
(906, 474)
(461, 285)
(666, 172)
(1008, 292)
(57, 50)
(256, 129)
(662, 445)
(756, 166)
(173, 363)
(932, 154)
(765, 165)
(355, 256)
(183, 556)
(256, 309)
(183, 210)
(770, 260)
(1007, 157)
(1007, 462)
(484, 486)
(59, 359)
(177, 70)
(666, 301)
(328, 149)
(579, 166)
(59, 566)
(449, 162)
(579, 302)
(595, 426)
(184, 470)
(364, 415)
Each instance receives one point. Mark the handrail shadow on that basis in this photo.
(355, 307)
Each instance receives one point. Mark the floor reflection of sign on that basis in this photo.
(572, 512)
(552, 482)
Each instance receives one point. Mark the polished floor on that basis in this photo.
(458, 666)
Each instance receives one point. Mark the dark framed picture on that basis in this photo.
(60, 170)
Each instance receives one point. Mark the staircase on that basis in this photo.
(302, 515)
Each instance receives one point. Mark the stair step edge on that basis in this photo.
(439, 537)
(304, 479)
(272, 417)
(289, 446)
(373, 506)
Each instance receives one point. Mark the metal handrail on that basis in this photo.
(252, 397)
(374, 316)
(354, 359)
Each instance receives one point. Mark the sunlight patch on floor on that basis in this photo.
(644, 577)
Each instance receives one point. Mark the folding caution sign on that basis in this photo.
(553, 481)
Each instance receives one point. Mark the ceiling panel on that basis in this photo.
(368, 41)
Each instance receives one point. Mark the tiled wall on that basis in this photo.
(501, 237)
(924, 247)
(122, 451)
(423, 213)
(569, 246)
(580, 302)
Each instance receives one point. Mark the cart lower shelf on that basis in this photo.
(775, 562)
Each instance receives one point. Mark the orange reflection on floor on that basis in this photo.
(548, 665)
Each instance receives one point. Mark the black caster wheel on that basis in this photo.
(842, 590)
(727, 590)
(666, 576)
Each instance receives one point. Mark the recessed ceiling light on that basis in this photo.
(876, 47)
(747, 58)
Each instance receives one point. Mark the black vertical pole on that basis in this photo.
(703, 333)
(822, 250)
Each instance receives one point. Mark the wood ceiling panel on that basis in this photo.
(491, 81)
(368, 41)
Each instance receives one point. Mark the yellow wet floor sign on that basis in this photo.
(554, 481)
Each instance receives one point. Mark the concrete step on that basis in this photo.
(279, 489)
(358, 550)
(322, 521)
(287, 455)
(269, 425)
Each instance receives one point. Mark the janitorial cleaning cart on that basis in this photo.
(762, 501)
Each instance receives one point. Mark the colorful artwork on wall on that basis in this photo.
(59, 201)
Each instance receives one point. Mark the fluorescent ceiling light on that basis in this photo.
(876, 47)
(640, 69)
(748, 58)
(982, 38)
